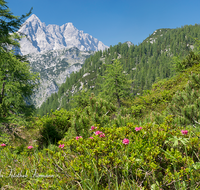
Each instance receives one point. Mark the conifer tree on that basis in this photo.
(17, 82)
(116, 85)
(190, 60)
(95, 111)
(9, 24)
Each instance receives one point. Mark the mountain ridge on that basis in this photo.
(40, 37)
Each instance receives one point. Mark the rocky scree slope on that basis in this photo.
(54, 67)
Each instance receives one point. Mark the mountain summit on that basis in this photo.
(51, 37)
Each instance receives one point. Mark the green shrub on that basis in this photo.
(185, 104)
(98, 111)
(156, 154)
(190, 60)
(53, 127)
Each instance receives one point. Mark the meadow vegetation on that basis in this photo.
(106, 140)
(141, 145)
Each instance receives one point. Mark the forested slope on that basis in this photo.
(144, 64)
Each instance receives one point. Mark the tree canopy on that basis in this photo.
(9, 25)
(116, 85)
(17, 82)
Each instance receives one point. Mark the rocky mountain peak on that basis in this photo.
(129, 43)
(32, 18)
(42, 38)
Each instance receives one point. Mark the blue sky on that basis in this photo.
(113, 21)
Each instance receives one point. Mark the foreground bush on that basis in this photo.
(130, 157)
(53, 127)
(161, 156)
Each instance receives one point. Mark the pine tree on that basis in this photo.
(188, 61)
(96, 111)
(185, 105)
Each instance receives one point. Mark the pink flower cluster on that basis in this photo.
(125, 141)
(3, 144)
(138, 128)
(78, 137)
(184, 132)
(61, 146)
(93, 127)
(30, 147)
(100, 134)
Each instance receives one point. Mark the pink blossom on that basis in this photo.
(91, 137)
(184, 132)
(102, 135)
(30, 147)
(61, 146)
(78, 137)
(93, 127)
(125, 141)
(3, 144)
(138, 128)
(98, 132)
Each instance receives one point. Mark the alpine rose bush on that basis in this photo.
(78, 137)
(93, 127)
(98, 132)
(102, 135)
(184, 132)
(61, 146)
(138, 128)
(125, 141)
(148, 150)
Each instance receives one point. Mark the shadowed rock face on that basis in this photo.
(54, 67)
(52, 37)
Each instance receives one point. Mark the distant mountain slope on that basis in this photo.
(54, 67)
(145, 64)
(52, 37)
